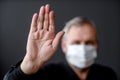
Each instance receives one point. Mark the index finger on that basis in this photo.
(52, 21)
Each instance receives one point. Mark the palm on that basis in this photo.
(41, 48)
(42, 41)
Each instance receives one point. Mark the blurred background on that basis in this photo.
(15, 20)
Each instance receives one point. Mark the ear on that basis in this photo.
(64, 46)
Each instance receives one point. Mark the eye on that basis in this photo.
(90, 43)
(75, 42)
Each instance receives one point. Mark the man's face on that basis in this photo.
(80, 35)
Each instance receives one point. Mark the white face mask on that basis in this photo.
(81, 56)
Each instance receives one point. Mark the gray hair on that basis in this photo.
(77, 21)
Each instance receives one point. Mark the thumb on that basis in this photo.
(57, 39)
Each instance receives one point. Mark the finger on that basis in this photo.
(34, 23)
(57, 39)
(46, 17)
(41, 18)
(52, 21)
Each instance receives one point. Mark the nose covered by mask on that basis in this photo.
(81, 56)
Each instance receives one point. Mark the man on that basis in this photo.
(79, 43)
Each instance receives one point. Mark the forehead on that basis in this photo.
(83, 32)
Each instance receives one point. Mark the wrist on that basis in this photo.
(30, 67)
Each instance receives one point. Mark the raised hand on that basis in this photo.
(42, 41)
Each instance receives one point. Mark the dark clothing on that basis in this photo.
(60, 71)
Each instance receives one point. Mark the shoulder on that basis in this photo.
(50, 70)
(53, 66)
(102, 68)
(104, 71)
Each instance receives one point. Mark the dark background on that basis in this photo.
(15, 19)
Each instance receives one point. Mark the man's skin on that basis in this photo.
(85, 34)
(43, 42)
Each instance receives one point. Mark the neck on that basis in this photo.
(82, 74)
